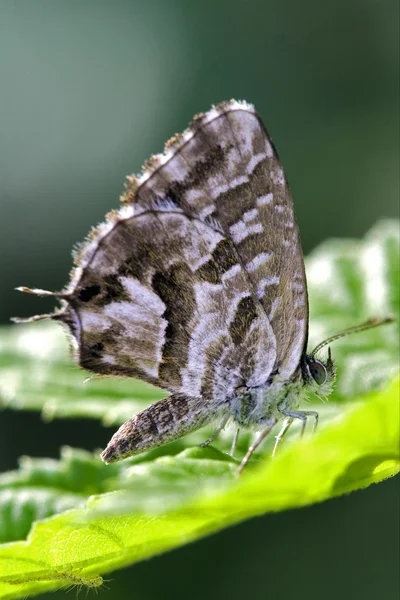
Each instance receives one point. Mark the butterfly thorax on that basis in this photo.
(254, 406)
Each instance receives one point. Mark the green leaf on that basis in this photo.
(42, 487)
(103, 517)
(74, 548)
(351, 281)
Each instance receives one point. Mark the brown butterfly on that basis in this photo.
(197, 285)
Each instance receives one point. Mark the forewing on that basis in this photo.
(160, 295)
(225, 171)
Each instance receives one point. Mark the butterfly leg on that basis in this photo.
(285, 428)
(234, 442)
(269, 425)
(303, 416)
(216, 432)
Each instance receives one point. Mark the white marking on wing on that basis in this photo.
(258, 260)
(235, 270)
(274, 306)
(250, 215)
(204, 295)
(217, 184)
(264, 283)
(279, 208)
(203, 241)
(299, 276)
(143, 296)
(129, 312)
(206, 212)
(166, 204)
(203, 335)
(257, 228)
(139, 324)
(254, 161)
(238, 181)
(230, 313)
(201, 259)
(222, 188)
(226, 379)
(194, 196)
(91, 321)
(299, 303)
(264, 351)
(108, 359)
(217, 305)
(240, 230)
(217, 190)
(150, 367)
(278, 176)
(267, 199)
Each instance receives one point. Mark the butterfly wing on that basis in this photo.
(160, 295)
(224, 171)
(197, 285)
(190, 284)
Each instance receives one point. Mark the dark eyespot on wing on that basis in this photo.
(89, 292)
(113, 290)
(97, 349)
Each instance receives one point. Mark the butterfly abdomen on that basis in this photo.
(162, 422)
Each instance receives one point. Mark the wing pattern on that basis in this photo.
(189, 284)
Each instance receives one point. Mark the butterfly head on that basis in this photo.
(319, 376)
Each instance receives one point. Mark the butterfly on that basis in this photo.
(197, 285)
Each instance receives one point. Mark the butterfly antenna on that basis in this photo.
(367, 325)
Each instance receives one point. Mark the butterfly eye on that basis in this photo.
(318, 372)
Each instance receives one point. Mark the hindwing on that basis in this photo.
(163, 298)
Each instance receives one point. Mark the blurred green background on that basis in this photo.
(88, 90)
